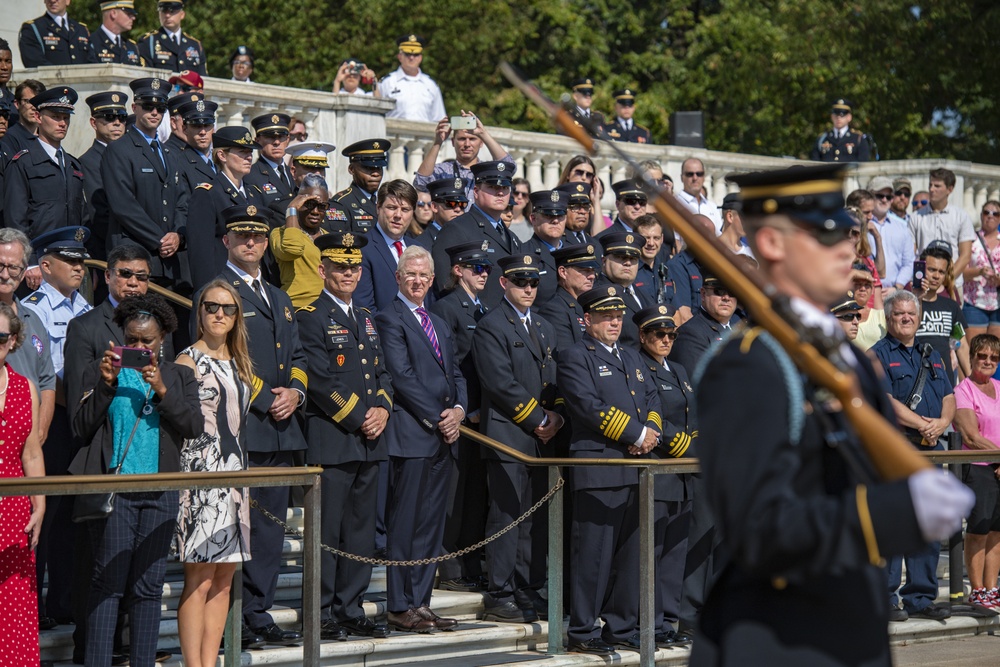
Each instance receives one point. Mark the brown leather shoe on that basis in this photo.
(410, 621)
(439, 623)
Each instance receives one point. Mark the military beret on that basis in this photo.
(813, 195)
(341, 247)
(234, 136)
(246, 219)
(606, 297)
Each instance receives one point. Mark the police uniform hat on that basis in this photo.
(579, 193)
(244, 218)
(494, 172)
(732, 202)
(939, 246)
(311, 153)
(579, 255)
(656, 317)
(175, 103)
(629, 188)
(550, 202)
(67, 242)
(447, 189)
(109, 102)
(622, 243)
(518, 266)
(150, 89)
(188, 78)
(234, 136)
(369, 152)
(842, 104)
(271, 123)
(583, 85)
(127, 5)
(845, 303)
(599, 299)
(57, 98)
(411, 43)
(625, 97)
(199, 112)
(469, 253)
(708, 280)
(812, 195)
(242, 50)
(341, 247)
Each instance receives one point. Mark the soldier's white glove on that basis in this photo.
(940, 502)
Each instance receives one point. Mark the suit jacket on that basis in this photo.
(630, 330)
(38, 196)
(694, 337)
(161, 52)
(106, 51)
(97, 215)
(147, 197)
(42, 42)
(679, 424)
(548, 279)
(352, 211)
(609, 400)
(462, 316)
(180, 418)
(275, 193)
(473, 225)
(377, 285)
(565, 314)
(518, 381)
(348, 376)
(637, 134)
(423, 385)
(194, 169)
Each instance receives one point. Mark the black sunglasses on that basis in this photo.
(992, 214)
(829, 237)
(694, 174)
(524, 282)
(634, 201)
(720, 291)
(478, 269)
(150, 106)
(849, 317)
(883, 197)
(4, 337)
(660, 334)
(580, 173)
(229, 309)
(113, 117)
(127, 274)
(902, 193)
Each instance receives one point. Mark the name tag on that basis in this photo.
(249, 313)
(542, 273)
(603, 371)
(666, 387)
(147, 170)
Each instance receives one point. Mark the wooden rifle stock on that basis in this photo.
(891, 454)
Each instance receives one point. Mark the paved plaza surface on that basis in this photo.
(978, 651)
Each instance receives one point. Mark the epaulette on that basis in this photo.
(19, 154)
(343, 193)
(204, 186)
(84, 25)
(194, 39)
(149, 34)
(31, 22)
(34, 298)
(307, 309)
(364, 309)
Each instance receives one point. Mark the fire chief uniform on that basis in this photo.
(611, 401)
(348, 377)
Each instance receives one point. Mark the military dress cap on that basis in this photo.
(476, 252)
(411, 43)
(622, 243)
(311, 153)
(732, 202)
(242, 50)
(494, 172)
(583, 84)
(369, 152)
(708, 280)
(550, 202)
(845, 303)
(109, 102)
(188, 78)
(341, 247)
(603, 298)
(199, 112)
(629, 188)
(879, 183)
(150, 89)
(580, 255)
(902, 183)
(170, 4)
(57, 98)
(107, 5)
(177, 101)
(66, 242)
(625, 96)
(579, 193)
(813, 195)
(519, 266)
(246, 218)
(842, 104)
(447, 189)
(234, 136)
(272, 123)
(660, 316)
(942, 246)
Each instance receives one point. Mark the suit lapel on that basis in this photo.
(604, 355)
(107, 315)
(522, 332)
(150, 154)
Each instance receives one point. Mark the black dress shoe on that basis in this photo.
(630, 643)
(47, 623)
(439, 623)
(365, 627)
(505, 610)
(118, 659)
(332, 630)
(272, 634)
(671, 639)
(163, 656)
(248, 639)
(460, 585)
(592, 646)
(410, 621)
(933, 612)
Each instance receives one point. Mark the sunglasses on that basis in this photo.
(633, 201)
(113, 117)
(586, 93)
(660, 334)
(719, 291)
(128, 274)
(980, 356)
(521, 193)
(902, 193)
(228, 309)
(828, 238)
(881, 196)
(4, 337)
(422, 204)
(849, 317)
(917, 203)
(299, 136)
(149, 106)
(522, 283)
(693, 174)
(582, 173)
(452, 204)
(478, 269)
(992, 214)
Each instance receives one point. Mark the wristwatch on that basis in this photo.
(290, 211)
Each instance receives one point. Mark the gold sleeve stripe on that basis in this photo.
(867, 528)
(620, 427)
(560, 401)
(383, 392)
(655, 418)
(346, 410)
(680, 442)
(679, 453)
(616, 425)
(523, 414)
(300, 375)
(256, 385)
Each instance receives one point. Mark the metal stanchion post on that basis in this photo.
(234, 622)
(310, 575)
(956, 546)
(647, 570)
(554, 645)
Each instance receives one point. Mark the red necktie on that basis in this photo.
(398, 245)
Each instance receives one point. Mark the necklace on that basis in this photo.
(6, 381)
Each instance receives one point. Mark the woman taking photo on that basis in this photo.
(981, 306)
(135, 418)
(213, 525)
(20, 516)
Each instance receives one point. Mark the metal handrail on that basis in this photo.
(153, 287)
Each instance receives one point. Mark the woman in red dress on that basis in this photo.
(20, 516)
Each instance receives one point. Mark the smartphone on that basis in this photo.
(919, 269)
(463, 122)
(132, 357)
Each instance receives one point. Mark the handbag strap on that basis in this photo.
(989, 258)
(135, 426)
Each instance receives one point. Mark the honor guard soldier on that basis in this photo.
(110, 43)
(54, 39)
(620, 266)
(513, 350)
(576, 267)
(43, 184)
(416, 94)
(806, 519)
(623, 127)
(842, 144)
(169, 47)
(448, 201)
(583, 98)
(350, 400)
(579, 213)
(269, 173)
(308, 158)
(614, 410)
(197, 125)
(108, 112)
(354, 209)
(548, 219)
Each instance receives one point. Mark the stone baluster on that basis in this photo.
(414, 156)
(551, 178)
(397, 160)
(533, 172)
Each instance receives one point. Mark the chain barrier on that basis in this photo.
(424, 561)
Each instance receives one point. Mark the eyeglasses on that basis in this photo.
(660, 334)
(13, 270)
(521, 193)
(113, 117)
(523, 283)
(849, 317)
(917, 203)
(478, 269)
(422, 277)
(902, 193)
(4, 337)
(299, 136)
(719, 291)
(980, 356)
(582, 173)
(581, 206)
(128, 274)
(693, 174)
(881, 196)
(228, 309)
(149, 106)
(633, 201)
(991, 214)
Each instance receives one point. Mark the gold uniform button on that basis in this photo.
(278, 345)
(360, 346)
(779, 583)
(281, 367)
(633, 393)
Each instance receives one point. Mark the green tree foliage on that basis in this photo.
(922, 73)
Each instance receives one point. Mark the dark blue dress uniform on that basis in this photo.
(353, 209)
(620, 129)
(444, 191)
(194, 109)
(686, 275)
(274, 181)
(579, 195)
(563, 311)
(852, 146)
(107, 51)
(626, 243)
(518, 378)
(611, 400)
(696, 336)
(348, 377)
(44, 42)
(553, 203)
(98, 214)
(160, 51)
(41, 195)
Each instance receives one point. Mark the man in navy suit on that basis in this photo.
(430, 398)
(377, 286)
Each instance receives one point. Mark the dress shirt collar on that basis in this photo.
(246, 277)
